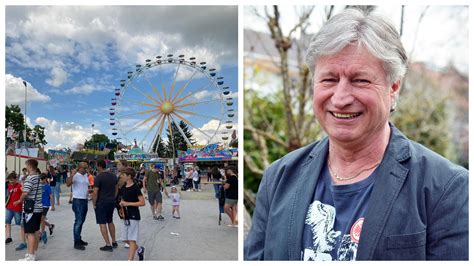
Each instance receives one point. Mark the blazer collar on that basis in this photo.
(307, 176)
(388, 183)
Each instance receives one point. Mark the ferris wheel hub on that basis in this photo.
(167, 107)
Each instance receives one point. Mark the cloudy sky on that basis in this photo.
(73, 58)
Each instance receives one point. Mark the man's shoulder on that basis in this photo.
(299, 156)
(105, 175)
(433, 163)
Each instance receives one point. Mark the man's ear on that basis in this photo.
(394, 92)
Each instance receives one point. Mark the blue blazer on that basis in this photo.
(418, 209)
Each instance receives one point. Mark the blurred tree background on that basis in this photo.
(432, 108)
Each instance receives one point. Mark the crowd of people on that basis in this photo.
(33, 194)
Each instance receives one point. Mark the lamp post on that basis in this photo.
(26, 97)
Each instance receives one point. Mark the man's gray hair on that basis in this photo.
(354, 26)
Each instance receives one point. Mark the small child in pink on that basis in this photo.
(175, 200)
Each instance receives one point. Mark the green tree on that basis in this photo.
(162, 149)
(423, 114)
(165, 150)
(95, 141)
(15, 119)
(40, 135)
(178, 140)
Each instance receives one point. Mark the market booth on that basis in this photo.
(136, 157)
(208, 156)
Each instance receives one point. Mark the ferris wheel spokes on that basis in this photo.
(157, 136)
(189, 123)
(196, 103)
(181, 89)
(143, 122)
(152, 127)
(174, 80)
(137, 113)
(196, 114)
(154, 89)
(140, 103)
(146, 95)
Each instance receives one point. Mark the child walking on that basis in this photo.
(12, 211)
(131, 199)
(48, 202)
(175, 197)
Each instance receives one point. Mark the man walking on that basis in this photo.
(80, 190)
(32, 208)
(153, 183)
(103, 200)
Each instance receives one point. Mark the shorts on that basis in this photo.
(231, 201)
(130, 232)
(9, 214)
(32, 224)
(45, 211)
(104, 212)
(155, 196)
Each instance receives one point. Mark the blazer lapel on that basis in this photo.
(386, 188)
(307, 178)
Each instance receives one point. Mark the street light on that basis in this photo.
(26, 89)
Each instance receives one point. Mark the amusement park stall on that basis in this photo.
(15, 161)
(136, 157)
(209, 156)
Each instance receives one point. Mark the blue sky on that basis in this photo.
(73, 58)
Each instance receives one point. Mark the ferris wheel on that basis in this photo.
(170, 90)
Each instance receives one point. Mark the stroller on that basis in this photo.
(187, 184)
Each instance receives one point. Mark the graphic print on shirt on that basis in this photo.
(321, 218)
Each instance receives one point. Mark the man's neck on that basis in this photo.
(348, 159)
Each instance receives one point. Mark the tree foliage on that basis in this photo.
(175, 141)
(96, 141)
(16, 120)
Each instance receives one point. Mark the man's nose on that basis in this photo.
(342, 95)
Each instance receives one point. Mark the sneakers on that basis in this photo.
(28, 257)
(44, 237)
(79, 247)
(126, 245)
(51, 228)
(21, 246)
(160, 217)
(107, 248)
(141, 253)
(114, 244)
(8, 240)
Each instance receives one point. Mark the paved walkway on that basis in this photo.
(199, 237)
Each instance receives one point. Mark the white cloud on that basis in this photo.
(210, 128)
(43, 37)
(88, 89)
(58, 77)
(15, 89)
(68, 134)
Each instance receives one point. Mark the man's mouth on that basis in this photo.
(345, 115)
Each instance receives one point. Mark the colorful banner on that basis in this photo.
(135, 156)
(212, 152)
(60, 156)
